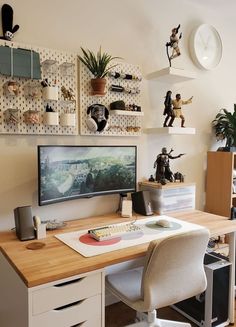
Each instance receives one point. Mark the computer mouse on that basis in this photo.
(164, 223)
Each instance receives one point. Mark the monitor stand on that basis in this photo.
(123, 196)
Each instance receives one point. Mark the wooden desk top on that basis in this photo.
(57, 261)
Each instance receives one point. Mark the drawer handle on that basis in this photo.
(79, 325)
(66, 306)
(69, 282)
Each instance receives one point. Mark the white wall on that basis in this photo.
(136, 30)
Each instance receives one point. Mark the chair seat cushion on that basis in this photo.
(126, 285)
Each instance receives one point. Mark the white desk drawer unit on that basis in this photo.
(76, 301)
(78, 313)
(69, 303)
(62, 294)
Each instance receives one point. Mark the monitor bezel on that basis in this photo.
(77, 197)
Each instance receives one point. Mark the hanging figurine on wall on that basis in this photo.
(7, 23)
(168, 111)
(174, 44)
(177, 104)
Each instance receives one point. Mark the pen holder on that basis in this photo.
(67, 119)
(50, 93)
(41, 231)
(51, 118)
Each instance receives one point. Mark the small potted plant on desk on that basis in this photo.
(224, 126)
(98, 66)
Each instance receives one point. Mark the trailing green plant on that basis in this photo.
(97, 63)
(224, 126)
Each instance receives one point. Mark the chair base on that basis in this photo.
(160, 323)
(150, 320)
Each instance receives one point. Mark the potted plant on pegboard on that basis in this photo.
(98, 65)
(224, 126)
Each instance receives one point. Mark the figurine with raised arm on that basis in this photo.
(174, 44)
(168, 111)
(162, 165)
(177, 105)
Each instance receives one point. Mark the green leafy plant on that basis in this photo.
(224, 126)
(97, 63)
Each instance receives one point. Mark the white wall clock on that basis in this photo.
(206, 46)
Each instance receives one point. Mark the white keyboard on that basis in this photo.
(112, 231)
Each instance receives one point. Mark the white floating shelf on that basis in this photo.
(126, 113)
(172, 75)
(170, 130)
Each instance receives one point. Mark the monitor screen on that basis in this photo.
(71, 172)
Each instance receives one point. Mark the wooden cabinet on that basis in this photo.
(219, 183)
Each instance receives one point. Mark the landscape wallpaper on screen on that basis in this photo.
(71, 172)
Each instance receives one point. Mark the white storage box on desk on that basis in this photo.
(170, 197)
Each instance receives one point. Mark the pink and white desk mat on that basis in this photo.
(83, 243)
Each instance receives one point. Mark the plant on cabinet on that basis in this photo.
(224, 126)
(98, 66)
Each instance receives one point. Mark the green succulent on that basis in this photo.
(97, 63)
(224, 126)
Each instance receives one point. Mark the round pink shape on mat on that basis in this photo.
(87, 239)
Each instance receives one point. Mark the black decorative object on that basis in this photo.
(117, 105)
(7, 23)
(168, 110)
(162, 165)
(151, 179)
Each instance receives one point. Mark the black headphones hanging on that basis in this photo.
(97, 117)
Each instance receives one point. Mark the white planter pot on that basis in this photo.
(51, 118)
(50, 93)
(67, 119)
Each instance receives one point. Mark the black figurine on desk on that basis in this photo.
(162, 165)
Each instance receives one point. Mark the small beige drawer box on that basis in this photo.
(55, 296)
(170, 197)
(84, 312)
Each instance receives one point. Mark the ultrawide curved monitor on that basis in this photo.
(72, 172)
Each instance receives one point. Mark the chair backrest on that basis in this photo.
(174, 269)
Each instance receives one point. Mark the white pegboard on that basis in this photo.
(117, 125)
(24, 103)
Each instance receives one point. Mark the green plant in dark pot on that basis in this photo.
(224, 126)
(98, 65)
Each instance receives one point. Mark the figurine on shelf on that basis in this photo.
(174, 44)
(7, 23)
(67, 94)
(177, 104)
(168, 111)
(162, 165)
(151, 179)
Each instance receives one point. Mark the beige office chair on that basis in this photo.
(173, 271)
